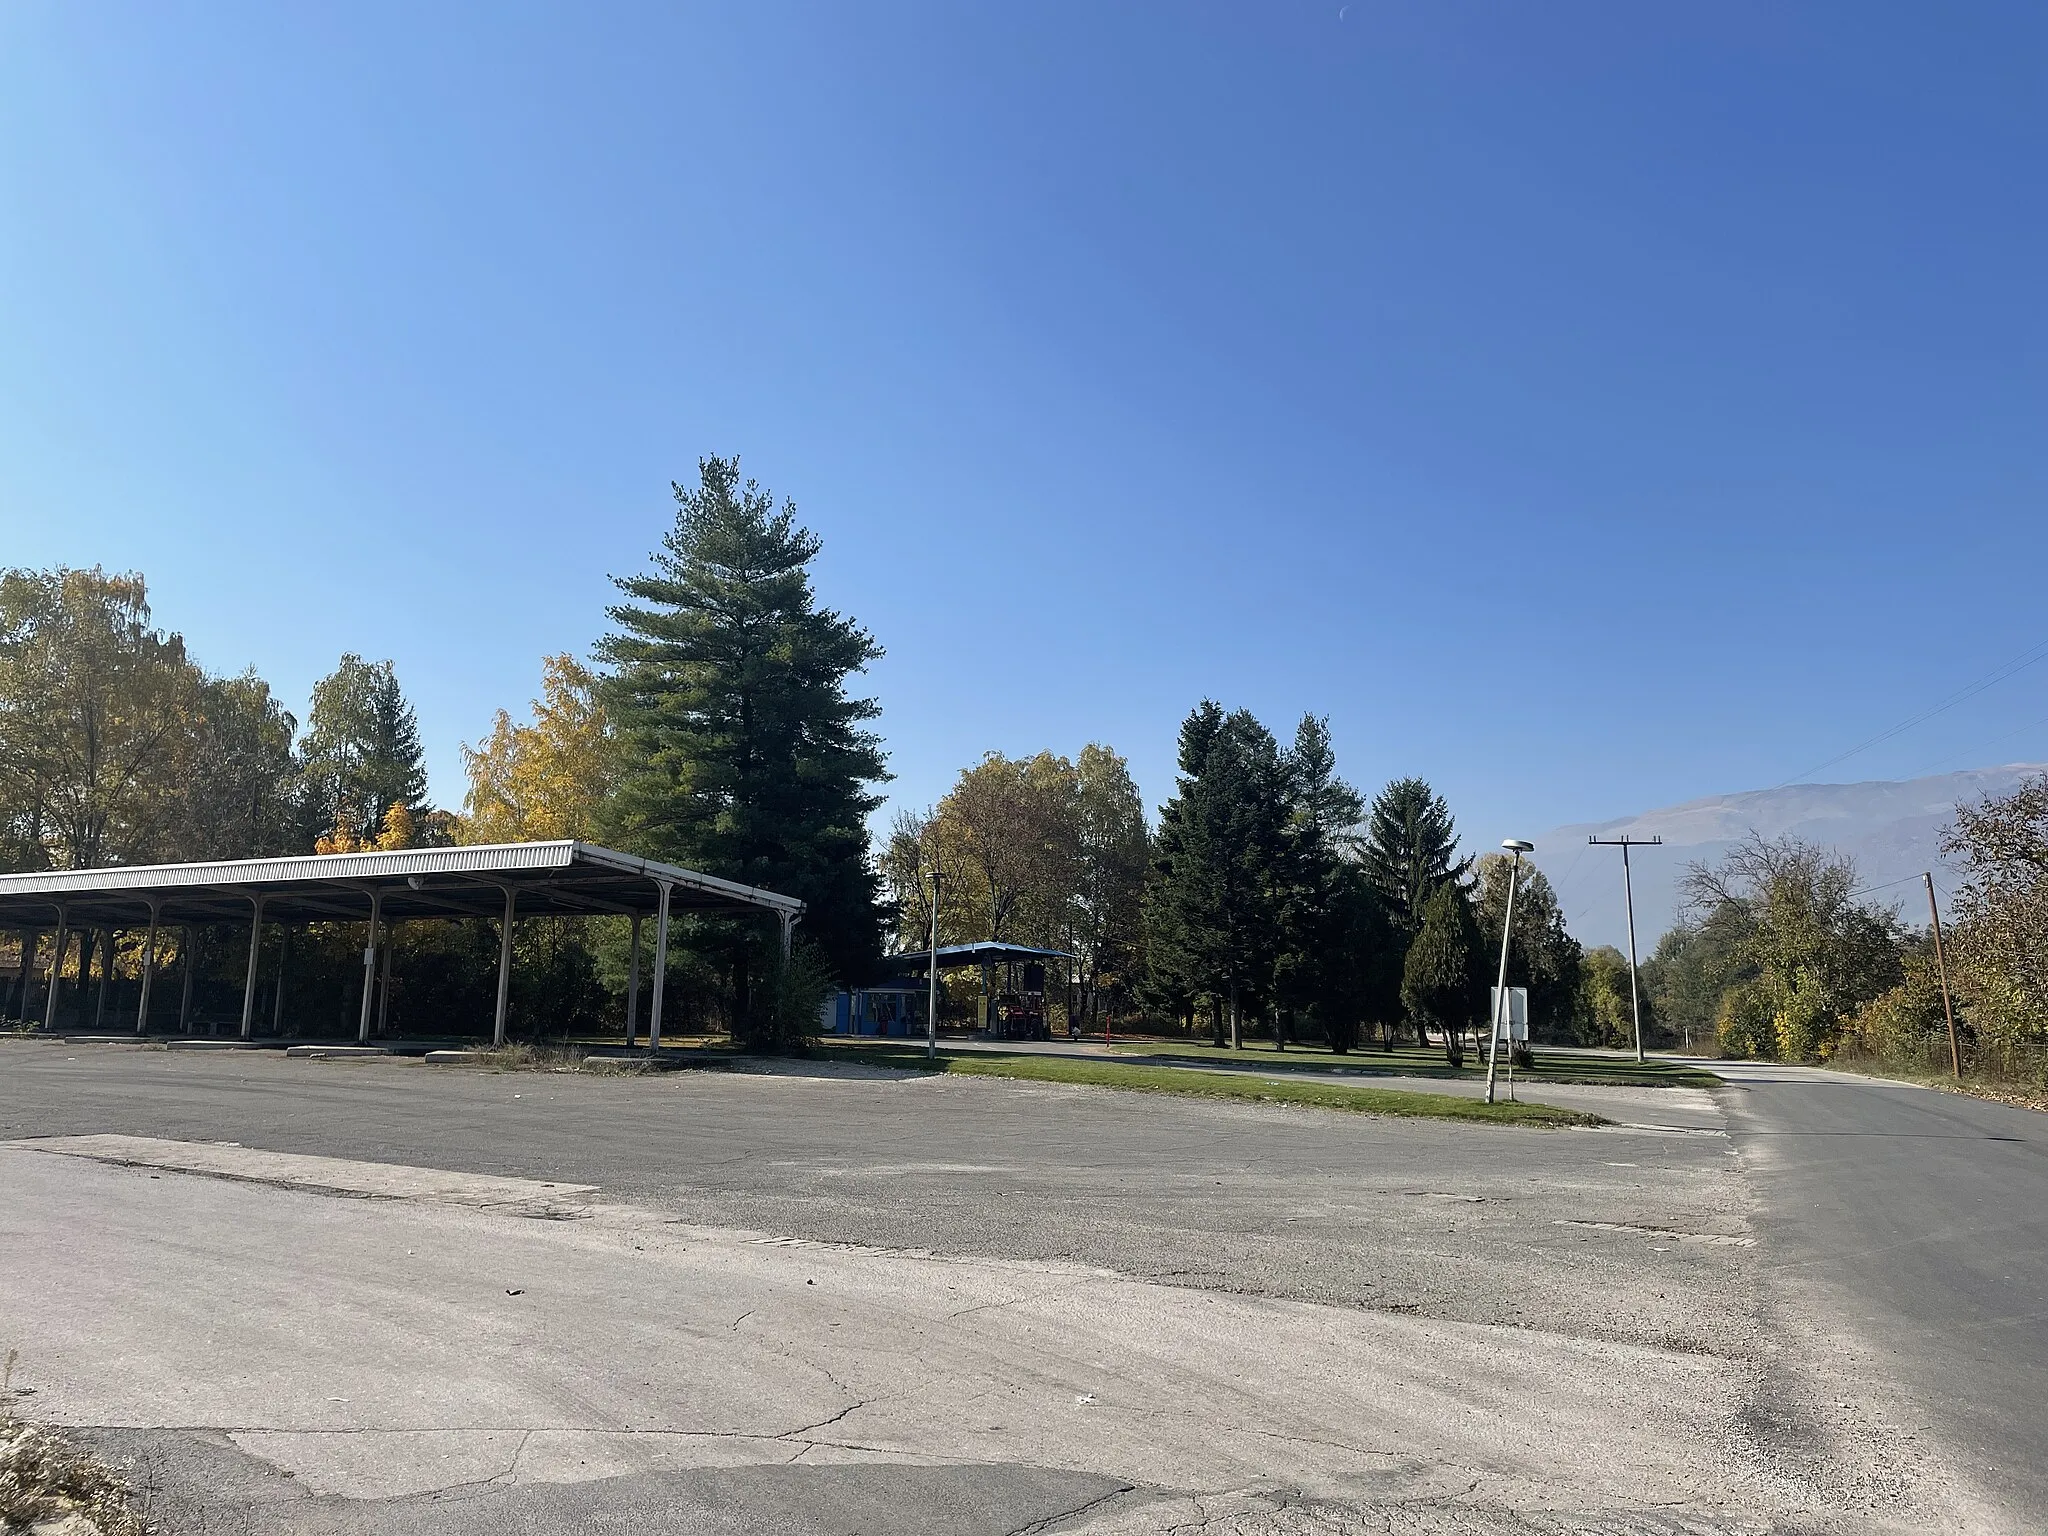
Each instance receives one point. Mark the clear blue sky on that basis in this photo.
(1587, 407)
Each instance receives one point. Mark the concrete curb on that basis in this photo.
(323, 1052)
(218, 1045)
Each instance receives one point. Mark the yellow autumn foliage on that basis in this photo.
(543, 781)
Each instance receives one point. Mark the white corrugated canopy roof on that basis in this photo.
(551, 879)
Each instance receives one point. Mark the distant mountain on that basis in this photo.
(1891, 828)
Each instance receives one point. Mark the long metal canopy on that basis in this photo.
(550, 879)
(502, 880)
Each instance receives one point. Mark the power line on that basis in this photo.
(1996, 675)
(1978, 751)
(1868, 889)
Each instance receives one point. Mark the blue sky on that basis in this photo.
(1586, 406)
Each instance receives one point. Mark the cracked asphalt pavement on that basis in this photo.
(379, 1297)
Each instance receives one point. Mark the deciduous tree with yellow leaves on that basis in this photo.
(544, 781)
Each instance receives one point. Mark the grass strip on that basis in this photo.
(1320, 1092)
(1409, 1062)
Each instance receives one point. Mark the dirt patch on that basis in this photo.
(48, 1484)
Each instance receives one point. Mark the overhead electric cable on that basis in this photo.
(1998, 675)
(1978, 751)
(1884, 887)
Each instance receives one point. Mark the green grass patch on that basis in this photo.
(1552, 1065)
(1318, 1090)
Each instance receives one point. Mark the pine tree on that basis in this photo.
(741, 753)
(1440, 979)
(1317, 969)
(1410, 849)
(1174, 972)
(1220, 869)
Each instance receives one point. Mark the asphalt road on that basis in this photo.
(1915, 1224)
(1808, 1306)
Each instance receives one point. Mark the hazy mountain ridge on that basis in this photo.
(1892, 828)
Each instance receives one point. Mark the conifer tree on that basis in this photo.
(1221, 866)
(741, 752)
(1439, 982)
(1320, 970)
(1410, 849)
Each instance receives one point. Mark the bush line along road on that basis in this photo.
(372, 1296)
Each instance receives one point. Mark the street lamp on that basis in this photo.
(1516, 846)
(931, 1014)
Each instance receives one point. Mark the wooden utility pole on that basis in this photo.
(1955, 1054)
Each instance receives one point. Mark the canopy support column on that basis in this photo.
(148, 972)
(99, 1013)
(31, 941)
(633, 988)
(56, 972)
(255, 961)
(660, 968)
(370, 963)
(284, 955)
(504, 967)
(188, 955)
(788, 923)
(17, 992)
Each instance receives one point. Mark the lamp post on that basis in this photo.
(931, 1013)
(1516, 846)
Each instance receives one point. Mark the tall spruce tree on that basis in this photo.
(1318, 972)
(1173, 911)
(742, 753)
(1220, 867)
(1410, 849)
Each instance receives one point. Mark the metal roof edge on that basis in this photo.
(482, 860)
(477, 858)
(654, 869)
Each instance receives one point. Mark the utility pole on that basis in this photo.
(1624, 843)
(1955, 1054)
(931, 1015)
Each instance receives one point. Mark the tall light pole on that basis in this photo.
(931, 1013)
(1628, 891)
(1516, 846)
